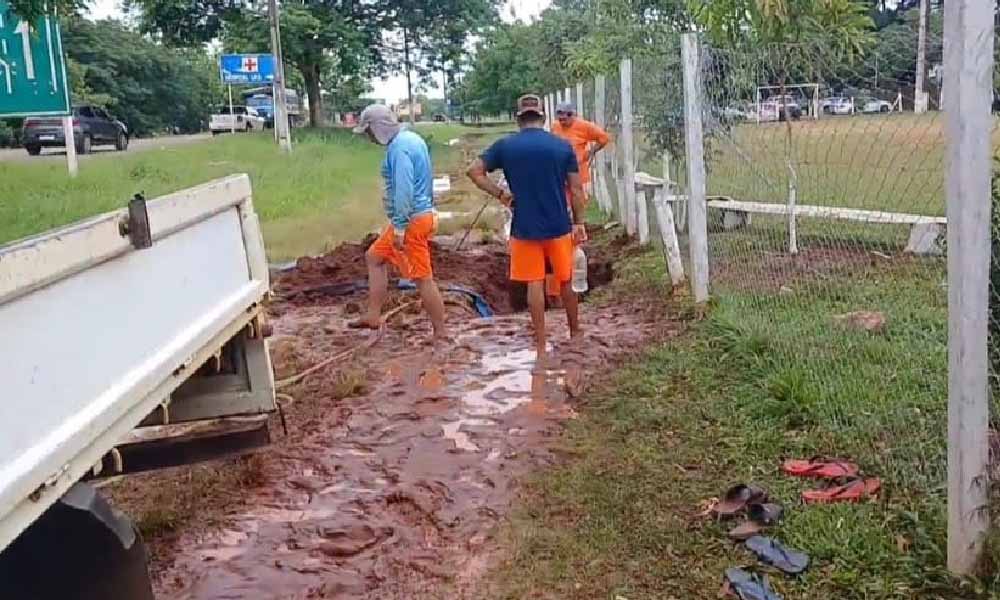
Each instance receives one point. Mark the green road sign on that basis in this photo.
(32, 69)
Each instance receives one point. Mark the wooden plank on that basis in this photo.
(579, 99)
(826, 212)
(695, 147)
(968, 68)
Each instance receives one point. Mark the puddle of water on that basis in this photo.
(511, 383)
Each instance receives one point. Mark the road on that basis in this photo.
(139, 145)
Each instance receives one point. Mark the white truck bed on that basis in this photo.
(96, 334)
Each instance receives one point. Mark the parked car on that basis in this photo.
(876, 106)
(243, 118)
(780, 108)
(837, 105)
(92, 126)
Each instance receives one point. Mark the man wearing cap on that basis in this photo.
(586, 138)
(539, 167)
(409, 204)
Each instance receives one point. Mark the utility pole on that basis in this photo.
(919, 91)
(281, 123)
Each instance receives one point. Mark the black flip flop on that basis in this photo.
(749, 586)
(737, 498)
(759, 517)
(774, 553)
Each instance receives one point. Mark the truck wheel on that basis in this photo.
(91, 552)
(33, 150)
(121, 144)
(86, 145)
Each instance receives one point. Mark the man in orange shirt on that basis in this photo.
(586, 139)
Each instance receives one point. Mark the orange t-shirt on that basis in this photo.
(580, 135)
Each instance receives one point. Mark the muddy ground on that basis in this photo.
(401, 460)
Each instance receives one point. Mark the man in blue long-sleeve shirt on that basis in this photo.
(409, 204)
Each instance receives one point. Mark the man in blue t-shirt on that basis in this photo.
(538, 167)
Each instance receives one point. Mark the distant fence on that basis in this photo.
(771, 183)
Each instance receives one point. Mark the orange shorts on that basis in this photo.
(414, 262)
(528, 257)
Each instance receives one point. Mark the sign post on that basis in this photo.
(258, 69)
(33, 80)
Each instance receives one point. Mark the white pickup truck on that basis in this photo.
(130, 341)
(240, 118)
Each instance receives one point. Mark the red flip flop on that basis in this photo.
(820, 468)
(852, 491)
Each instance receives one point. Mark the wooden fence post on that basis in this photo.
(579, 100)
(968, 70)
(628, 150)
(601, 165)
(694, 136)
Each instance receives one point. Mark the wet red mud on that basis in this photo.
(397, 490)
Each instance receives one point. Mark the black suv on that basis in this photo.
(92, 126)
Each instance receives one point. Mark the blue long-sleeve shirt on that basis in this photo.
(409, 179)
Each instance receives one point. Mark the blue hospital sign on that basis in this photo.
(247, 69)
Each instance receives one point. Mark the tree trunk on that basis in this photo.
(409, 78)
(311, 75)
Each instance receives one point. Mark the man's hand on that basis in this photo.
(580, 233)
(399, 240)
(506, 198)
(592, 153)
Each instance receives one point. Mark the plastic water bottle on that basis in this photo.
(580, 284)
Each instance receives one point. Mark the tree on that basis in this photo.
(431, 34)
(29, 10)
(336, 42)
(333, 40)
(149, 87)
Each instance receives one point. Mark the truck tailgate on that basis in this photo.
(97, 334)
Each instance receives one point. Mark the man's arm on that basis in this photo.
(402, 194)
(477, 173)
(599, 138)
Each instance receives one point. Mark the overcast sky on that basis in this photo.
(392, 89)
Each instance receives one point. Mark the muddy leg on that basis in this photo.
(536, 304)
(434, 305)
(572, 302)
(378, 288)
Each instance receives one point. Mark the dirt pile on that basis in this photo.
(482, 268)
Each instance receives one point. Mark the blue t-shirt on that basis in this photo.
(537, 165)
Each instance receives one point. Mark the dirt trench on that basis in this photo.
(401, 460)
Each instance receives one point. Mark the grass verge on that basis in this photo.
(328, 190)
(768, 374)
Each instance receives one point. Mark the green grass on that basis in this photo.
(327, 191)
(889, 163)
(768, 374)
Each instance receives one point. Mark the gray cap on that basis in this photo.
(380, 121)
(566, 107)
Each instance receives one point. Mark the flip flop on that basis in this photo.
(820, 468)
(759, 517)
(855, 490)
(362, 324)
(748, 586)
(737, 499)
(774, 553)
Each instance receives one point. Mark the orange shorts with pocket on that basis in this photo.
(528, 258)
(414, 262)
